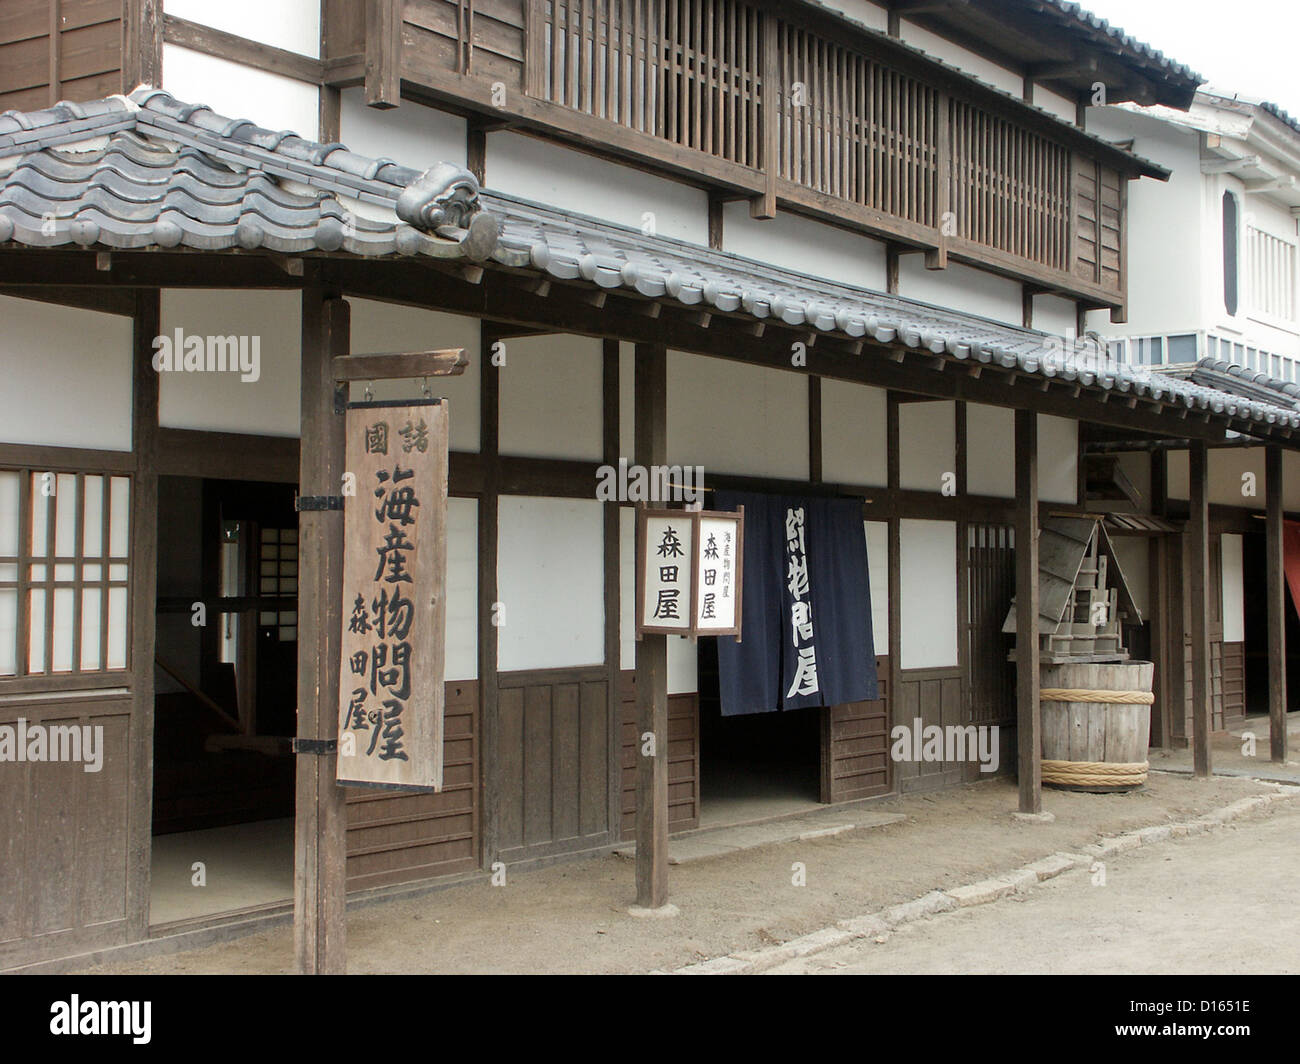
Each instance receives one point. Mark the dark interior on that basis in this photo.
(226, 690)
(758, 755)
(1255, 581)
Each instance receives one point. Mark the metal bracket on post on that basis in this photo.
(306, 503)
(320, 747)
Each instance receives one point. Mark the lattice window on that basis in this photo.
(1270, 261)
(64, 568)
(278, 576)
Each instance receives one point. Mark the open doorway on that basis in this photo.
(757, 766)
(225, 704)
(1254, 558)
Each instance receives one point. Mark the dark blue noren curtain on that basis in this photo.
(763, 673)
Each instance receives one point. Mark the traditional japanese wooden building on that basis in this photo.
(819, 250)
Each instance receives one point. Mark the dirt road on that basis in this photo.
(1221, 902)
(573, 917)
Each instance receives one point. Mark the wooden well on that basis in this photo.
(1096, 744)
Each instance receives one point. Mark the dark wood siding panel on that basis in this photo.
(683, 759)
(936, 697)
(484, 37)
(89, 53)
(855, 758)
(554, 762)
(1234, 683)
(63, 858)
(396, 837)
(345, 28)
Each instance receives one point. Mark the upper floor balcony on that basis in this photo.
(782, 104)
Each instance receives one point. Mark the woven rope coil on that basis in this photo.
(1122, 698)
(1095, 773)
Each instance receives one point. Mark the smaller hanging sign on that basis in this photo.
(689, 572)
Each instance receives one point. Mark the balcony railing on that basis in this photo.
(772, 103)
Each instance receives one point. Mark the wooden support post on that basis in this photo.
(320, 833)
(144, 602)
(652, 657)
(1198, 579)
(1161, 613)
(764, 206)
(610, 449)
(142, 43)
(1028, 712)
(489, 515)
(1276, 605)
(383, 72)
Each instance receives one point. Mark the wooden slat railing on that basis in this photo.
(682, 70)
(757, 101)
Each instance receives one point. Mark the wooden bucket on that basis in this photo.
(1094, 740)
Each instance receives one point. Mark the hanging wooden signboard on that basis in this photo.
(391, 695)
(688, 572)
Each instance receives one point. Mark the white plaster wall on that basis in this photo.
(1227, 469)
(1234, 590)
(805, 246)
(854, 436)
(222, 402)
(550, 582)
(462, 589)
(572, 181)
(1061, 106)
(413, 135)
(734, 418)
(66, 376)
(927, 444)
(236, 91)
(928, 594)
(962, 288)
(293, 25)
(1058, 459)
(551, 397)
(962, 58)
(878, 576)
(990, 451)
(1055, 315)
(1170, 246)
(683, 655)
(379, 327)
(873, 16)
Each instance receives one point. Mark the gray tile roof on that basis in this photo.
(1239, 380)
(150, 171)
(1087, 20)
(154, 172)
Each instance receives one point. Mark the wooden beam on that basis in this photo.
(383, 86)
(320, 831)
(1198, 579)
(652, 657)
(242, 50)
(1276, 600)
(1028, 710)
(401, 365)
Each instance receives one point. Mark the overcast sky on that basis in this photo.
(1246, 46)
